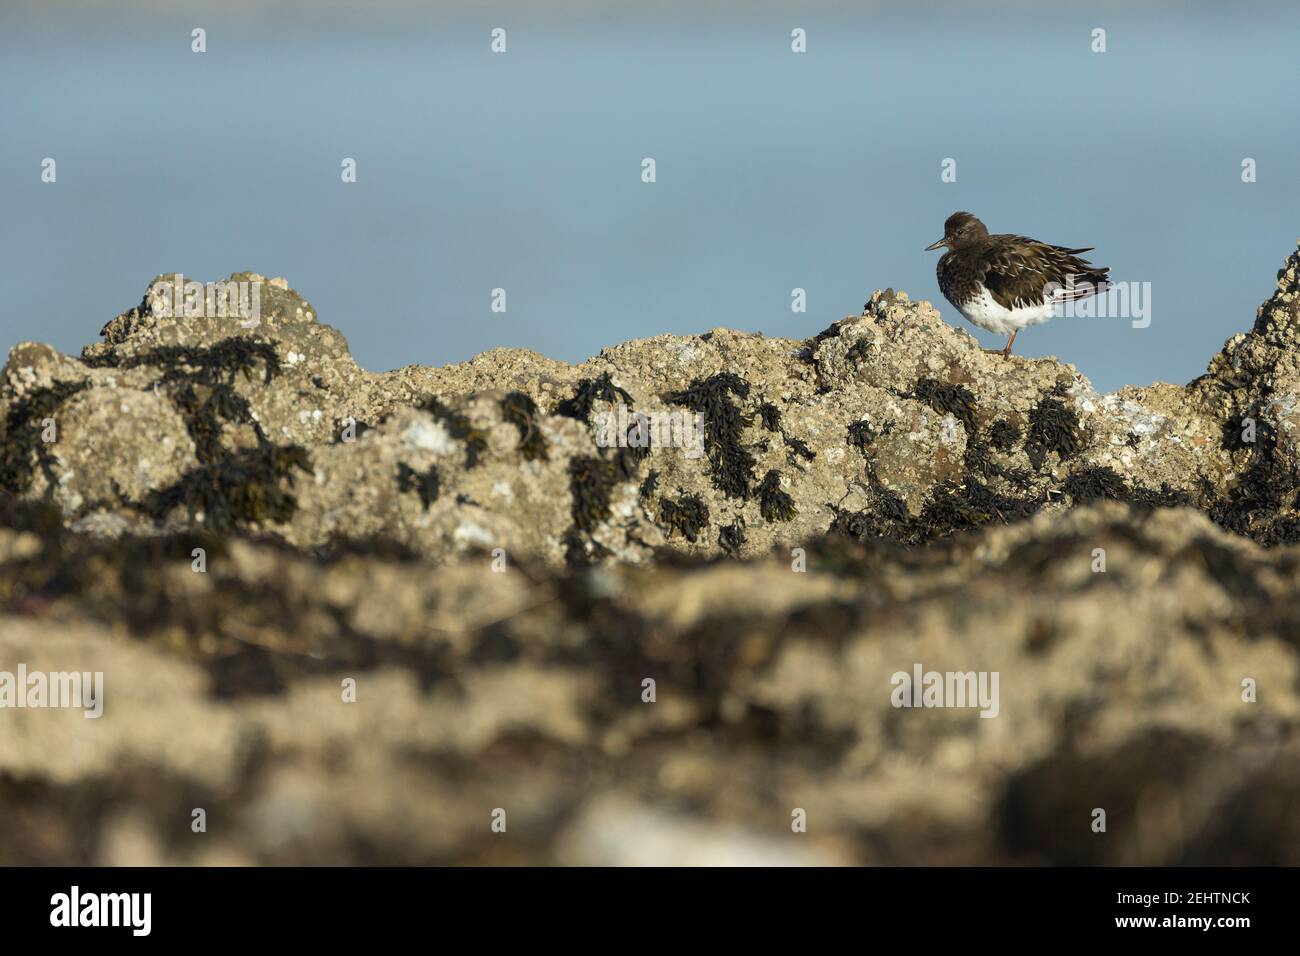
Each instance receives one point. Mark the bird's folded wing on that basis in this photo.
(1019, 272)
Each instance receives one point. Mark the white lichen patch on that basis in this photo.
(948, 426)
(1282, 409)
(1085, 396)
(1137, 418)
(429, 434)
(470, 534)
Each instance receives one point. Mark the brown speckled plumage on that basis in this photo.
(1016, 271)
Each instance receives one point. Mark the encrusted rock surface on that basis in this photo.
(893, 423)
(499, 584)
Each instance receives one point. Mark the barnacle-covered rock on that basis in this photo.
(649, 606)
(890, 424)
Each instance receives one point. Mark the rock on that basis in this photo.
(893, 423)
(240, 528)
(120, 444)
(523, 690)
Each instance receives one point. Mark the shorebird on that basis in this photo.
(1003, 283)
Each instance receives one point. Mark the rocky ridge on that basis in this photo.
(500, 578)
(890, 424)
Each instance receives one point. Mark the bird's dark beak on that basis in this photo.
(937, 245)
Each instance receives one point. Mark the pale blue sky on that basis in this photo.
(522, 170)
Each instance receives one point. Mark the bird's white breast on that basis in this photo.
(985, 311)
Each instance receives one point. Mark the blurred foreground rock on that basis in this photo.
(522, 691)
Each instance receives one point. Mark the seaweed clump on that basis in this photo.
(954, 400)
(858, 352)
(688, 515)
(341, 430)
(635, 449)
(731, 538)
(647, 489)
(773, 503)
(20, 439)
(1265, 488)
(1165, 497)
(591, 481)
(590, 391)
(1095, 484)
(1235, 429)
(580, 551)
(861, 434)
(951, 508)
(977, 459)
(427, 483)
(591, 484)
(770, 417)
(1053, 427)
(1003, 435)
(41, 518)
(241, 487)
(521, 411)
(797, 447)
(731, 466)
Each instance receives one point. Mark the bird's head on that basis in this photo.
(961, 229)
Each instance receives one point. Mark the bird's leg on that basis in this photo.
(1006, 352)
